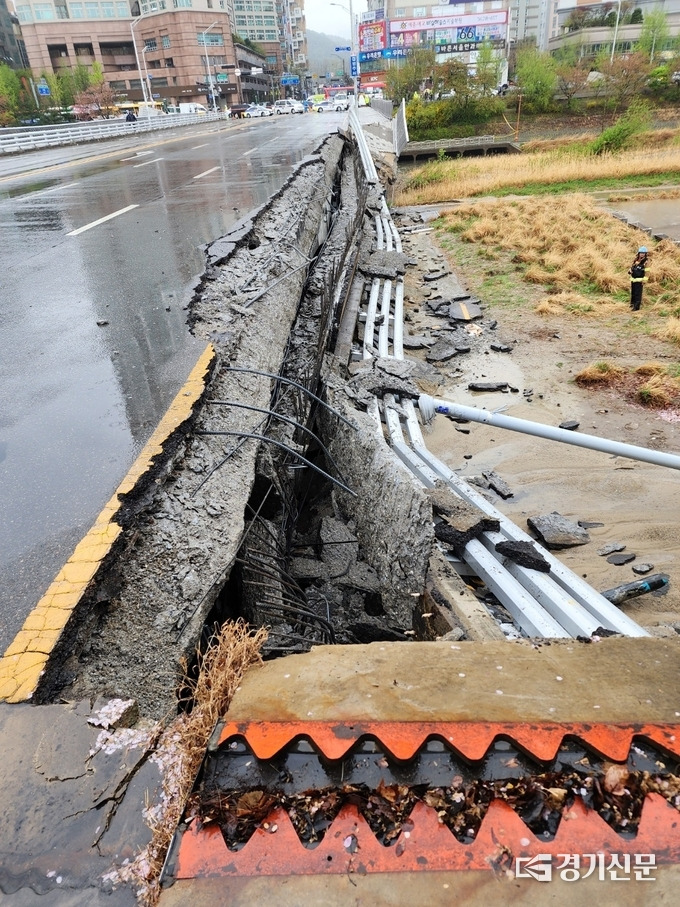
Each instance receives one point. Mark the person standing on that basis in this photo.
(638, 277)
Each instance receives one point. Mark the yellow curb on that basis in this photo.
(26, 657)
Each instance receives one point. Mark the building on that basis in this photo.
(597, 27)
(10, 44)
(180, 52)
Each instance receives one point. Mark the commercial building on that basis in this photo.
(182, 49)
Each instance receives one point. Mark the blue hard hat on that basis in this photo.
(642, 249)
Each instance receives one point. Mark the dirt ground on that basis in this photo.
(637, 503)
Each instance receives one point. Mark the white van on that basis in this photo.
(192, 108)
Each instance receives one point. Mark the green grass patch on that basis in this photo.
(632, 181)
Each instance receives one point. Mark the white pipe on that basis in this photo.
(429, 406)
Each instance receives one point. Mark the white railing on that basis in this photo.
(29, 138)
(400, 129)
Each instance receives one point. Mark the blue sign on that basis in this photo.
(44, 89)
(353, 66)
(290, 80)
(344, 50)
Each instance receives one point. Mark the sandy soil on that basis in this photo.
(638, 503)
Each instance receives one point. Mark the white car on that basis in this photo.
(288, 105)
(257, 110)
(326, 106)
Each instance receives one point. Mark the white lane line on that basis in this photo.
(206, 172)
(32, 195)
(135, 156)
(152, 161)
(204, 145)
(259, 147)
(95, 223)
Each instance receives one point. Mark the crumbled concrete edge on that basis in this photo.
(129, 633)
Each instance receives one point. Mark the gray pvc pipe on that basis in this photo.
(430, 405)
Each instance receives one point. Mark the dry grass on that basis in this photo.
(232, 649)
(647, 195)
(671, 332)
(574, 249)
(557, 144)
(650, 368)
(602, 374)
(467, 177)
(659, 392)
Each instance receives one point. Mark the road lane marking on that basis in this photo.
(95, 223)
(153, 160)
(135, 156)
(24, 661)
(206, 172)
(204, 145)
(252, 151)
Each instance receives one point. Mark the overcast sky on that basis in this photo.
(322, 16)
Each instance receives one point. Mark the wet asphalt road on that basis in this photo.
(79, 399)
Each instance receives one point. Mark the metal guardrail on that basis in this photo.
(400, 129)
(558, 605)
(452, 143)
(29, 138)
(383, 106)
(362, 146)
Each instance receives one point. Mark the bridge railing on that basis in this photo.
(400, 129)
(29, 138)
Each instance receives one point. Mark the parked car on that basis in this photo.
(257, 110)
(288, 105)
(238, 110)
(326, 106)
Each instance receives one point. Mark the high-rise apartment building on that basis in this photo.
(10, 51)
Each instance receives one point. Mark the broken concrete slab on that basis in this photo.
(491, 479)
(556, 531)
(88, 787)
(441, 351)
(385, 264)
(610, 548)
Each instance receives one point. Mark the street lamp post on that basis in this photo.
(616, 30)
(351, 21)
(139, 68)
(208, 74)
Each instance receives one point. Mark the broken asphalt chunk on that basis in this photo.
(569, 425)
(488, 386)
(501, 348)
(620, 559)
(525, 554)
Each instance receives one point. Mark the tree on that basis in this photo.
(571, 78)
(99, 100)
(453, 76)
(10, 88)
(625, 77)
(406, 80)
(654, 34)
(487, 72)
(537, 78)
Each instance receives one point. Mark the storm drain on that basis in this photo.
(284, 798)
